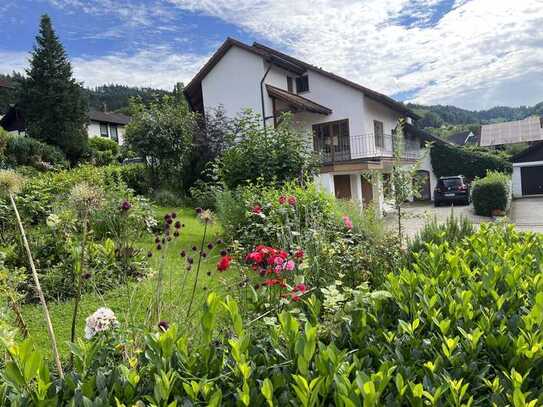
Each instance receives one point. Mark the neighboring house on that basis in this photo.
(528, 171)
(352, 126)
(106, 124)
(465, 138)
(519, 131)
(5, 84)
(101, 124)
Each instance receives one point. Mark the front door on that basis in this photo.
(342, 186)
(532, 180)
(367, 192)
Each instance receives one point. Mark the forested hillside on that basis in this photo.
(114, 97)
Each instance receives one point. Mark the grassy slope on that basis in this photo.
(176, 299)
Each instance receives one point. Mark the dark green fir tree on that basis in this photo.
(52, 101)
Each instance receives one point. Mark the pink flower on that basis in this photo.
(299, 254)
(347, 222)
(278, 260)
(290, 265)
(300, 288)
(282, 199)
(256, 209)
(292, 200)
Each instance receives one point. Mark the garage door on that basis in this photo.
(532, 180)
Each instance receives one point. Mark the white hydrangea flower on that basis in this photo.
(102, 320)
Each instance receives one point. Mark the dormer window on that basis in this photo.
(302, 84)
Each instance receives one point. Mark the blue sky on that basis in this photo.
(472, 53)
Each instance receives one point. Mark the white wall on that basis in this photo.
(517, 181)
(93, 130)
(234, 83)
(426, 164)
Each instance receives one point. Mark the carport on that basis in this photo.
(528, 171)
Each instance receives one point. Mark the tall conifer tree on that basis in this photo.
(53, 103)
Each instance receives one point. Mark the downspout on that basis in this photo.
(262, 97)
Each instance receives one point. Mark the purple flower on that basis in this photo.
(183, 253)
(169, 221)
(210, 246)
(220, 241)
(163, 326)
(204, 255)
(125, 206)
(177, 225)
(223, 253)
(199, 210)
(149, 254)
(86, 276)
(174, 215)
(167, 217)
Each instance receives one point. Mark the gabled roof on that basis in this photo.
(518, 131)
(107, 117)
(193, 89)
(532, 153)
(423, 135)
(5, 84)
(465, 137)
(297, 101)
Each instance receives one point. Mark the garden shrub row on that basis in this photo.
(18, 150)
(491, 194)
(449, 160)
(460, 326)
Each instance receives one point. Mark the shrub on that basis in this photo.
(273, 155)
(21, 150)
(450, 160)
(460, 327)
(135, 176)
(491, 193)
(166, 197)
(103, 151)
(452, 231)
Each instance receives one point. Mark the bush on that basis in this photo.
(452, 232)
(135, 176)
(103, 151)
(491, 193)
(274, 155)
(460, 327)
(450, 160)
(20, 150)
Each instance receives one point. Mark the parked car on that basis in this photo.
(454, 189)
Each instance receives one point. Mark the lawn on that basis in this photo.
(130, 303)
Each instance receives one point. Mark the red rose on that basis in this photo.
(256, 209)
(282, 199)
(224, 263)
(299, 254)
(292, 200)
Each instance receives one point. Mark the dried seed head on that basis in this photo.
(85, 197)
(10, 182)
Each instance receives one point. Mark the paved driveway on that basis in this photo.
(527, 214)
(417, 214)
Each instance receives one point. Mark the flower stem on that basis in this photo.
(197, 269)
(48, 322)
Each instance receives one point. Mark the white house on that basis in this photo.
(352, 125)
(106, 124)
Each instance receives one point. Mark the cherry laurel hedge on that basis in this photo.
(459, 327)
(450, 160)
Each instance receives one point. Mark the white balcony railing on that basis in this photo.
(338, 149)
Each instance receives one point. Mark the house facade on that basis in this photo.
(106, 124)
(351, 127)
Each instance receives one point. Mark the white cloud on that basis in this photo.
(158, 67)
(475, 45)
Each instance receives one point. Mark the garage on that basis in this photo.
(528, 171)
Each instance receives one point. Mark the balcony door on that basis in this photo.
(331, 140)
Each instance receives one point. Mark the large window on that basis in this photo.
(379, 134)
(331, 140)
(103, 130)
(113, 132)
(302, 84)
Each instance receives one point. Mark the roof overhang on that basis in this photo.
(297, 102)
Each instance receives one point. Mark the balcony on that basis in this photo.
(367, 146)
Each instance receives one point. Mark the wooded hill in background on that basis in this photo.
(445, 120)
(114, 97)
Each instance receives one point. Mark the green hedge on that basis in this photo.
(490, 193)
(18, 150)
(450, 160)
